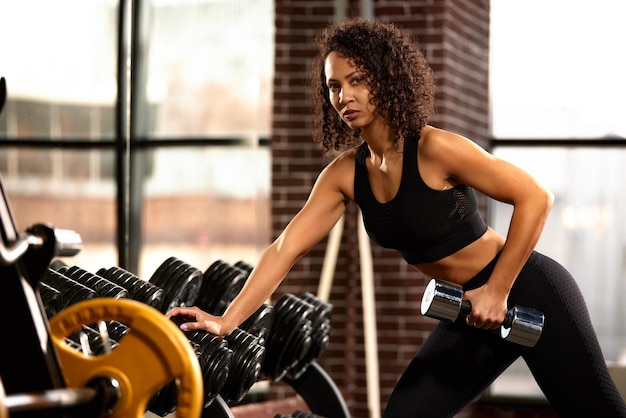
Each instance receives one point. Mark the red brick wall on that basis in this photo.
(454, 36)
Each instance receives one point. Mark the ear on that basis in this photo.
(3, 92)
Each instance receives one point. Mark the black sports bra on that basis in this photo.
(422, 224)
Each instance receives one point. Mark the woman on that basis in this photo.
(374, 93)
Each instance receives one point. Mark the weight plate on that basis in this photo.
(153, 353)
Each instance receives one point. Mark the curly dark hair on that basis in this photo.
(401, 81)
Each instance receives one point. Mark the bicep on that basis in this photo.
(499, 179)
(320, 213)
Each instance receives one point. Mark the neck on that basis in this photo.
(381, 140)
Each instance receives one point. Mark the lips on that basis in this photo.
(350, 114)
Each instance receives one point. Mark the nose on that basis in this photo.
(345, 96)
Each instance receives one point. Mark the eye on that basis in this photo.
(333, 86)
(358, 78)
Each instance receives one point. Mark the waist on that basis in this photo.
(482, 276)
(466, 263)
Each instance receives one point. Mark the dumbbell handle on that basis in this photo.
(466, 309)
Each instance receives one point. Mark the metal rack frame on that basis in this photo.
(28, 361)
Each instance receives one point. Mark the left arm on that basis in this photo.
(465, 162)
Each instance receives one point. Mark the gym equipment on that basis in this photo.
(93, 345)
(320, 334)
(444, 301)
(104, 288)
(33, 377)
(245, 368)
(71, 291)
(30, 367)
(180, 283)
(221, 283)
(215, 362)
(260, 323)
(229, 365)
(319, 392)
(51, 297)
(149, 356)
(138, 289)
(291, 338)
(216, 359)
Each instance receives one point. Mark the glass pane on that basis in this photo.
(210, 67)
(557, 69)
(59, 62)
(69, 190)
(205, 204)
(586, 232)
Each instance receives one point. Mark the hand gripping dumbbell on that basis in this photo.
(445, 301)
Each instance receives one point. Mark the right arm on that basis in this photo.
(325, 205)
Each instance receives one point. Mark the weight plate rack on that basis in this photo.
(278, 342)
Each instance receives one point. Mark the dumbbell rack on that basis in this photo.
(28, 361)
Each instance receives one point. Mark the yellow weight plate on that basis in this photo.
(153, 353)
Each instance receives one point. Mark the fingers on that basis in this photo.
(197, 320)
(478, 322)
(209, 326)
(184, 311)
(474, 321)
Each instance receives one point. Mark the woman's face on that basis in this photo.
(348, 91)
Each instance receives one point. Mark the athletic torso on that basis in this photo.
(440, 232)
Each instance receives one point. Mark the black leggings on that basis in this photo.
(457, 362)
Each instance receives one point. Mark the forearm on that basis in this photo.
(525, 229)
(265, 278)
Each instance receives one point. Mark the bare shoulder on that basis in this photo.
(436, 142)
(450, 156)
(343, 162)
(339, 173)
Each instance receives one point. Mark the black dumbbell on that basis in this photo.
(444, 301)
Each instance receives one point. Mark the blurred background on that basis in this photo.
(181, 128)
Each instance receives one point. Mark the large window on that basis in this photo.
(208, 74)
(163, 103)
(59, 62)
(557, 69)
(558, 111)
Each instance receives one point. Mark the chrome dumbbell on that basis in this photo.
(444, 301)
